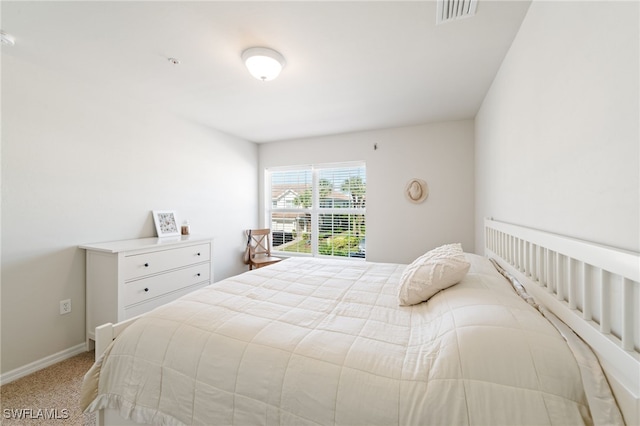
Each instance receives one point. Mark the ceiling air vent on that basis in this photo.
(450, 10)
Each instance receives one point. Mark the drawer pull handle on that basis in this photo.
(146, 265)
(198, 274)
(198, 253)
(146, 289)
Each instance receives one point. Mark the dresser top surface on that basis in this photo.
(144, 243)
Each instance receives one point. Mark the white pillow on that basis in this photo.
(435, 270)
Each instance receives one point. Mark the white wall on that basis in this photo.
(79, 166)
(557, 140)
(397, 230)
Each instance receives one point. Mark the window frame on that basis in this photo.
(315, 210)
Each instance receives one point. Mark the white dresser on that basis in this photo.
(130, 277)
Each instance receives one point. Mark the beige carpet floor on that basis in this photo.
(55, 389)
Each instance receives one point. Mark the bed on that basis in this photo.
(316, 341)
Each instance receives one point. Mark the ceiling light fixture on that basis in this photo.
(263, 63)
(7, 39)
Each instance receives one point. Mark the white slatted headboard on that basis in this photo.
(594, 289)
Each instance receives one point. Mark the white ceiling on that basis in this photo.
(350, 65)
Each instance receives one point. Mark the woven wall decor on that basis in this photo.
(416, 190)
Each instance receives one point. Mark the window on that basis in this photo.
(318, 210)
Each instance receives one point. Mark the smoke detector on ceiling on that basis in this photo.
(451, 10)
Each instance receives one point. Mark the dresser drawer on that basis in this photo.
(140, 265)
(148, 288)
(141, 308)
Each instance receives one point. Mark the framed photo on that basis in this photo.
(166, 223)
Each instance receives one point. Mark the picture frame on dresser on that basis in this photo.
(166, 223)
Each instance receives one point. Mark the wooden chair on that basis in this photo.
(260, 248)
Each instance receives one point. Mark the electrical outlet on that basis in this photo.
(65, 306)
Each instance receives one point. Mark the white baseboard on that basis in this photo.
(25, 370)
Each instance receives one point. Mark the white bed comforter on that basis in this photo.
(310, 341)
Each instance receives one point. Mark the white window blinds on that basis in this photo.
(318, 210)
